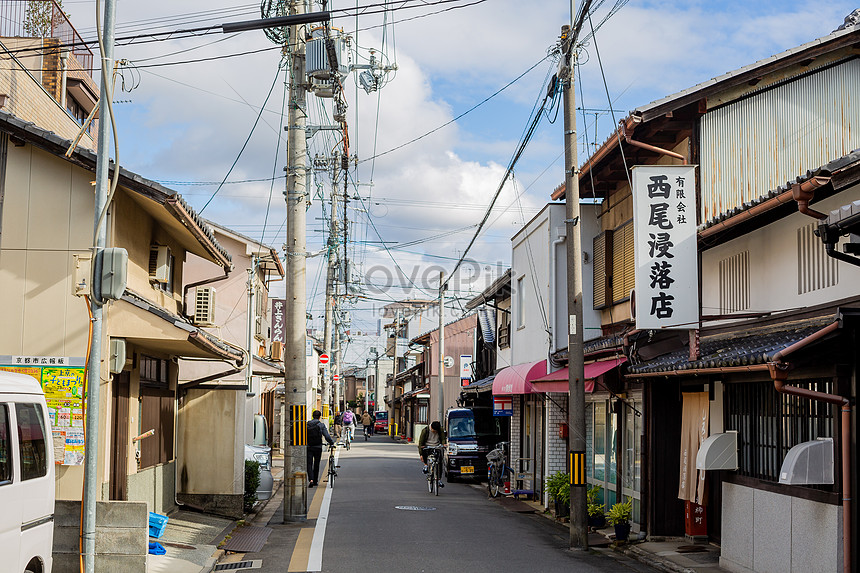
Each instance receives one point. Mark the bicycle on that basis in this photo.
(332, 466)
(498, 471)
(434, 469)
(366, 432)
(347, 436)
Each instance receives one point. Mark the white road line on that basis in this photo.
(315, 555)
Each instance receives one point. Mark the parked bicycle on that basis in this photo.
(332, 466)
(434, 468)
(498, 471)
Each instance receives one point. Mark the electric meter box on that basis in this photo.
(113, 274)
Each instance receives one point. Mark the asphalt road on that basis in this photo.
(357, 526)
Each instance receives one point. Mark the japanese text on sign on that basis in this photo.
(665, 246)
(278, 319)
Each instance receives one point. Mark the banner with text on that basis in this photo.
(665, 250)
(278, 320)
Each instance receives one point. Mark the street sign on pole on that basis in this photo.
(324, 359)
(336, 378)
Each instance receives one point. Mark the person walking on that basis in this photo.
(367, 422)
(338, 425)
(316, 432)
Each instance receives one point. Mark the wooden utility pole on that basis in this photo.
(295, 361)
(576, 369)
(440, 388)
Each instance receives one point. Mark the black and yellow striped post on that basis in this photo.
(576, 468)
(298, 425)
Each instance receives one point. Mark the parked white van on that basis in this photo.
(26, 476)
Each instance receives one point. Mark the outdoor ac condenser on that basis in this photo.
(204, 306)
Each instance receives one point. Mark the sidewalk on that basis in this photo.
(192, 538)
(670, 554)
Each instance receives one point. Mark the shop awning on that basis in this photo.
(517, 379)
(558, 381)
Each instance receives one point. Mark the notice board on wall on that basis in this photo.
(62, 380)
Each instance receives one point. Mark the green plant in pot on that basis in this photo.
(619, 515)
(558, 489)
(596, 517)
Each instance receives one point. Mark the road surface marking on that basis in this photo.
(315, 558)
(299, 559)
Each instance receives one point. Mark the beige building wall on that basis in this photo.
(21, 80)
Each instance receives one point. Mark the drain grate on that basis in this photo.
(255, 564)
(414, 508)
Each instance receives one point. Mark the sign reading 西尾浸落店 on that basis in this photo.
(62, 380)
(665, 249)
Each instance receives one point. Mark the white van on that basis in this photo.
(26, 476)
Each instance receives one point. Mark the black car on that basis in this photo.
(472, 433)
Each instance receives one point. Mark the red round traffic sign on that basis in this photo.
(336, 378)
(323, 358)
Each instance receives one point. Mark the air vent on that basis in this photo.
(277, 350)
(204, 306)
(815, 270)
(735, 283)
(159, 263)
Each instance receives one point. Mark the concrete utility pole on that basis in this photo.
(576, 381)
(252, 322)
(295, 361)
(94, 366)
(331, 275)
(440, 388)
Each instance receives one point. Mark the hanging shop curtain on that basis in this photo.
(694, 430)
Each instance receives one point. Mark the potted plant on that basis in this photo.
(596, 517)
(619, 515)
(558, 489)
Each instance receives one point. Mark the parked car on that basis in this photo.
(472, 433)
(26, 476)
(381, 423)
(263, 455)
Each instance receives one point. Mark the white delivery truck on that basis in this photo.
(26, 476)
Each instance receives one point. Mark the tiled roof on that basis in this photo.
(745, 347)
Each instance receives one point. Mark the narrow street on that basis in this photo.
(362, 528)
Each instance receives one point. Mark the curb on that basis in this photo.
(652, 560)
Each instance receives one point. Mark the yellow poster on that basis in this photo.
(64, 394)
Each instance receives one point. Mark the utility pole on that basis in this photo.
(295, 361)
(440, 389)
(331, 275)
(94, 366)
(576, 381)
(252, 321)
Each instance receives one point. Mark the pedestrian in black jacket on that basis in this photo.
(316, 432)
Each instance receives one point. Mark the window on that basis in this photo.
(521, 300)
(769, 424)
(602, 280)
(154, 371)
(5, 447)
(423, 412)
(504, 328)
(31, 441)
(623, 264)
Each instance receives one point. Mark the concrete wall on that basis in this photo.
(209, 450)
(122, 536)
(768, 532)
(155, 486)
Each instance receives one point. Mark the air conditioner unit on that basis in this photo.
(277, 350)
(204, 306)
(159, 263)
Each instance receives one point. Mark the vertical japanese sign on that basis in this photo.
(278, 320)
(665, 250)
(465, 369)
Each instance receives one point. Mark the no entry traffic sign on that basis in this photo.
(323, 358)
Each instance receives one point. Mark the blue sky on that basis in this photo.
(186, 123)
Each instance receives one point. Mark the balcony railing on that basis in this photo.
(13, 24)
